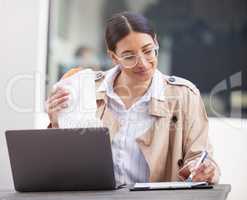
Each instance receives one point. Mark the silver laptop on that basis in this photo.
(61, 159)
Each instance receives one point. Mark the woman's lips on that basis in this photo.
(142, 72)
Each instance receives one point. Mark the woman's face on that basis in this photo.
(139, 47)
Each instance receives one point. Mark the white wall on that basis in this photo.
(20, 53)
(229, 138)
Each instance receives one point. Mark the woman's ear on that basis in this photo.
(112, 56)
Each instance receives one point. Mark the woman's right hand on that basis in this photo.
(57, 101)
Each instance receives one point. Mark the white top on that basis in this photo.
(129, 163)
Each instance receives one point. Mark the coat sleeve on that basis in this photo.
(196, 137)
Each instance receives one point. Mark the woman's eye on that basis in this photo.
(129, 57)
(148, 52)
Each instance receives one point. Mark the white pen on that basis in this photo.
(201, 160)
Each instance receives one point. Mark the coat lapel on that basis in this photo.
(154, 143)
(155, 138)
(106, 115)
(158, 109)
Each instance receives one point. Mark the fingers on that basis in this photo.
(59, 93)
(183, 173)
(204, 177)
(58, 108)
(192, 165)
(187, 170)
(56, 90)
(205, 172)
(57, 101)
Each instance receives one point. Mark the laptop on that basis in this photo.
(61, 159)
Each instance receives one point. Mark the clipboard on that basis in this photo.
(169, 186)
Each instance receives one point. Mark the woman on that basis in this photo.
(158, 124)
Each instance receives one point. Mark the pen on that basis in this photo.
(201, 160)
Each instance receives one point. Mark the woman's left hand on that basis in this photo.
(205, 172)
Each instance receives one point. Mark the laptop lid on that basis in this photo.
(61, 159)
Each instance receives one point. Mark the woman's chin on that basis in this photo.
(143, 75)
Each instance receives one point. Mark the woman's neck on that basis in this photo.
(130, 88)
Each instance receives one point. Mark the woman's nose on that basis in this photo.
(141, 62)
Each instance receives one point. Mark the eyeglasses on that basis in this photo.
(130, 61)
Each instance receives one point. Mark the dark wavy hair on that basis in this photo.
(121, 24)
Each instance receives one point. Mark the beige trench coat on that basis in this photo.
(179, 133)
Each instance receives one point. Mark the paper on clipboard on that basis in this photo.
(167, 185)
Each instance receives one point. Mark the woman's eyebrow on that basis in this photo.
(126, 52)
(130, 51)
(147, 45)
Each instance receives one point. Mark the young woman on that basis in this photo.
(158, 124)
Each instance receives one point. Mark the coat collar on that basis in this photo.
(156, 89)
(158, 105)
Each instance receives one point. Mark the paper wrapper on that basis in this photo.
(82, 107)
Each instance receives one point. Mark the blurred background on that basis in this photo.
(203, 41)
(200, 40)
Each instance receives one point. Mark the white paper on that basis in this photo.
(160, 185)
(81, 111)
